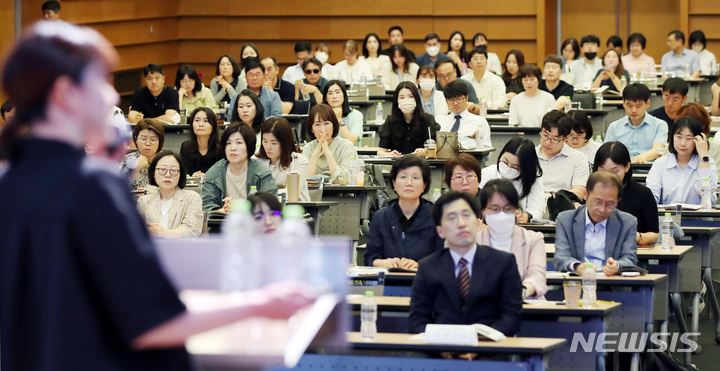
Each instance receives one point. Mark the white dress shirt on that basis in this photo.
(350, 74)
(529, 111)
(468, 125)
(469, 256)
(488, 84)
(565, 170)
(671, 184)
(595, 241)
(293, 73)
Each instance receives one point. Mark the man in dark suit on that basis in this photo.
(597, 231)
(466, 283)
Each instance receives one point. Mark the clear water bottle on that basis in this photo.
(598, 139)
(705, 194)
(623, 82)
(360, 176)
(368, 317)
(379, 115)
(436, 195)
(483, 107)
(479, 137)
(253, 190)
(549, 108)
(295, 239)
(589, 286)
(239, 243)
(494, 100)
(353, 176)
(568, 104)
(306, 96)
(688, 73)
(666, 232)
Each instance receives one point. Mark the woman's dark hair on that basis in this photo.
(365, 51)
(188, 70)
(530, 70)
(519, 57)
(214, 140)
(581, 123)
(41, 56)
(269, 199)
(450, 197)
(478, 35)
(253, 47)
(249, 137)
(636, 37)
(463, 53)
(151, 170)
(153, 125)
(530, 169)
(464, 160)
(617, 153)
(501, 186)
(696, 36)
(619, 70)
(699, 112)
(419, 117)
(426, 68)
(324, 112)
(259, 110)
(282, 131)
(400, 48)
(575, 47)
(615, 40)
(408, 161)
(685, 122)
(233, 62)
(346, 103)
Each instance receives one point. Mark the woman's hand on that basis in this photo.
(387, 263)
(155, 229)
(408, 263)
(338, 113)
(142, 162)
(224, 83)
(227, 204)
(522, 217)
(420, 152)
(198, 174)
(510, 96)
(454, 57)
(701, 144)
(182, 92)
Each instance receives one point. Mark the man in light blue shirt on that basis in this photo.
(678, 56)
(255, 76)
(597, 232)
(643, 135)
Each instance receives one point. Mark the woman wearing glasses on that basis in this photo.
(311, 87)
(518, 163)
(403, 232)
(500, 204)
(462, 174)
(171, 212)
(191, 91)
(149, 137)
(580, 137)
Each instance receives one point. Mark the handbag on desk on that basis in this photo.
(447, 144)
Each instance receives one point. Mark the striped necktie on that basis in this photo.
(463, 280)
(456, 126)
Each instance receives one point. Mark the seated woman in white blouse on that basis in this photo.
(677, 177)
(518, 162)
(371, 54)
(352, 69)
(327, 152)
(171, 212)
(351, 120)
(279, 152)
(402, 67)
(528, 108)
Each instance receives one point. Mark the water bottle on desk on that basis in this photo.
(568, 104)
(306, 96)
(360, 175)
(706, 194)
(295, 245)
(688, 73)
(379, 115)
(598, 139)
(589, 286)
(483, 107)
(666, 232)
(479, 137)
(436, 195)
(253, 190)
(368, 317)
(353, 172)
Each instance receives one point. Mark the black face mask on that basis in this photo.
(590, 56)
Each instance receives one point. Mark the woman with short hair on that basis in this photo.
(149, 137)
(327, 152)
(227, 81)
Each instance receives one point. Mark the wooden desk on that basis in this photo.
(532, 353)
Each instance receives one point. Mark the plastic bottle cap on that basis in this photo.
(589, 265)
(379, 103)
(293, 211)
(369, 293)
(352, 158)
(437, 189)
(706, 178)
(668, 214)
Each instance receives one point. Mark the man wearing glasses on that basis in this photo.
(674, 93)
(596, 232)
(562, 166)
(446, 72)
(311, 87)
(644, 135)
(460, 120)
(155, 101)
(255, 76)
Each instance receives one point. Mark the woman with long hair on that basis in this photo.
(402, 67)
(202, 149)
(611, 76)
(279, 152)
(408, 126)
(514, 59)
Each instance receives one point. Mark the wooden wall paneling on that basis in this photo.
(581, 18)
(485, 7)
(699, 7)
(7, 33)
(706, 23)
(138, 56)
(524, 28)
(133, 32)
(664, 16)
(98, 11)
(332, 8)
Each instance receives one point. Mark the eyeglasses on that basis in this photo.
(146, 139)
(510, 209)
(187, 82)
(460, 179)
(449, 76)
(262, 217)
(254, 75)
(554, 140)
(163, 171)
(599, 203)
(456, 100)
(312, 72)
(671, 98)
(576, 138)
(465, 215)
(154, 78)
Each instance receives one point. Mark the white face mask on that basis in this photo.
(501, 223)
(697, 48)
(507, 172)
(322, 57)
(427, 84)
(611, 65)
(432, 50)
(407, 105)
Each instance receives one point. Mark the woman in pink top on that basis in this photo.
(499, 201)
(637, 61)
